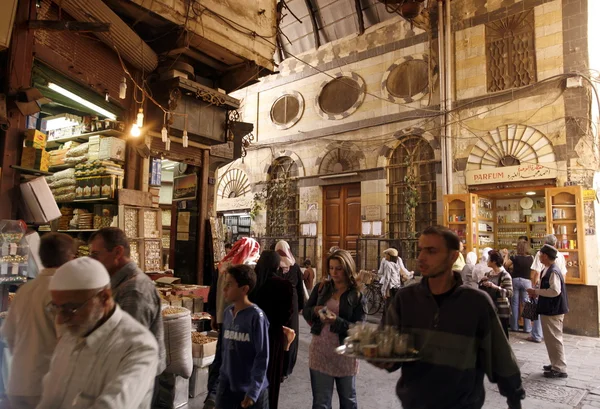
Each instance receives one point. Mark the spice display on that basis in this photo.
(153, 255)
(135, 254)
(198, 338)
(166, 217)
(150, 225)
(174, 310)
(131, 222)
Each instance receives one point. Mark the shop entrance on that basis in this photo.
(498, 218)
(341, 218)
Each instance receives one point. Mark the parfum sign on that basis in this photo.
(510, 174)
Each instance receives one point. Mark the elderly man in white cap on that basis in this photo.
(105, 359)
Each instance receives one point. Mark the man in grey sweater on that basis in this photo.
(136, 294)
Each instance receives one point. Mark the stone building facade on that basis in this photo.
(363, 117)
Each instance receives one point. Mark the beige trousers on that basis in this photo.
(552, 327)
(23, 402)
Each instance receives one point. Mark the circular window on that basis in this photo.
(340, 97)
(407, 80)
(287, 110)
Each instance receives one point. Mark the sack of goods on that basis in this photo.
(178, 343)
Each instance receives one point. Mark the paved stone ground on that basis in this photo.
(375, 388)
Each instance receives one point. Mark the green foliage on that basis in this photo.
(411, 197)
(278, 197)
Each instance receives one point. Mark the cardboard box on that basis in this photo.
(34, 158)
(112, 149)
(35, 139)
(204, 350)
(198, 382)
(40, 206)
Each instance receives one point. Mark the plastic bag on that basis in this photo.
(178, 343)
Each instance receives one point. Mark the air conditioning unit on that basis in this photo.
(7, 19)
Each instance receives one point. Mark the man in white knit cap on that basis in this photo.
(105, 359)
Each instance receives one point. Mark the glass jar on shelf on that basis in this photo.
(14, 251)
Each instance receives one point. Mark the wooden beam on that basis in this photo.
(203, 215)
(63, 25)
(18, 74)
(313, 19)
(359, 14)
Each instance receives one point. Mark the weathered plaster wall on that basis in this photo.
(257, 16)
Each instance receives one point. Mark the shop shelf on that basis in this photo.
(564, 205)
(77, 231)
(563, 221)
(485, 219)
(83, 137)
(457, 222)
(27, 171)
(97, 199)
(568, 250)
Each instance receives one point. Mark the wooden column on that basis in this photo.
(203, 214)
(18, 70)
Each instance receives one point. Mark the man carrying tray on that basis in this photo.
(457, 332)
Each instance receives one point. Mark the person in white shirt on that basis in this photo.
(105, 359)
(536, 269)
(29, 329)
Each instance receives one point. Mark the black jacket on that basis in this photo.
(459, 342)
(352, 309)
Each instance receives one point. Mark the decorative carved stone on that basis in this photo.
(510, 52)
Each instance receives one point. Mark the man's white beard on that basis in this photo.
(92, 320)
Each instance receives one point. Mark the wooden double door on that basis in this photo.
(341, 218)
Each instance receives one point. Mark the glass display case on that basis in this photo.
(565, 220)
(14, 252)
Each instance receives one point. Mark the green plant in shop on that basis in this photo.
(411, 198)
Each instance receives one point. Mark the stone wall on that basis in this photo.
(559, 112)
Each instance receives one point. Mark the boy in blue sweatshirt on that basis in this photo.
(245, 347)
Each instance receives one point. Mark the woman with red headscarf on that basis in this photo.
(290, 270)
(244, 251)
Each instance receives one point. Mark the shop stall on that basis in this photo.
(497, 218)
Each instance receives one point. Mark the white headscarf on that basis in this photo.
(471, 258)
(482, 268)
(287, 258)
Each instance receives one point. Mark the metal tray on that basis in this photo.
(341, 350)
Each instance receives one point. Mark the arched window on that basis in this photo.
(282, 198)
(412, 188)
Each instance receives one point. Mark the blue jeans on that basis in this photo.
(322, 389)
(536, 332)
(226, 399)
(520, 286)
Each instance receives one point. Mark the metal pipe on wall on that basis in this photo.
(442, 67)
(449, 97)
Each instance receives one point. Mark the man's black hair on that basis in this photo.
(451, 239)
(243, 275)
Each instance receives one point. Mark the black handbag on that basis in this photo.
(530, 310)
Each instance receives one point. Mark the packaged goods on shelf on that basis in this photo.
(77, 151)
(112, 148)
(64, 174)
(35, 139)
(57, 157)
(14, 251)
(83, 250)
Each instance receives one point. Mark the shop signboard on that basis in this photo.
(517, 173)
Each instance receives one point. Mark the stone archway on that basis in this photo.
(341, 157)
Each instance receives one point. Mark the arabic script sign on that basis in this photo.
(510, 174)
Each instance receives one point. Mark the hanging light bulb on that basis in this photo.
(123, 88)
(135, 131)
(185, 138)
(164, 133)
(140, 118)
(168, 144)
